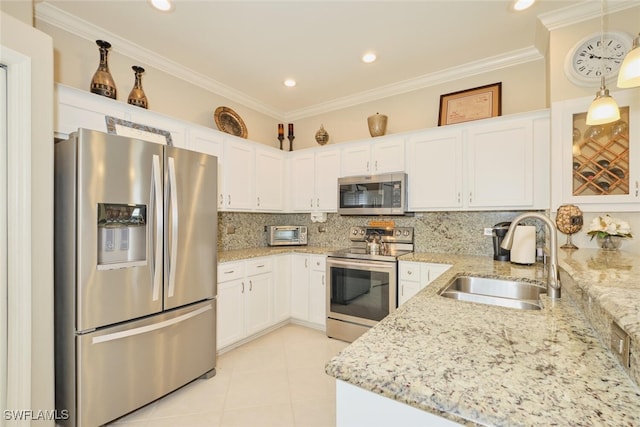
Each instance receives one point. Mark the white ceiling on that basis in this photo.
(245, 49)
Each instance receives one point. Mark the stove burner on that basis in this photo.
(396, 242)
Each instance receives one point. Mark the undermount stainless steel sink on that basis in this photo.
(501, 292)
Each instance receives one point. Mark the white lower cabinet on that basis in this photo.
(413, 276)
(318, 291)
(308, 288)
(281, 287)
(245, 299)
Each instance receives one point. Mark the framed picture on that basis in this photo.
(121, 127)
(471, 104)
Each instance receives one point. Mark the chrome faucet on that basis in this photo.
(553, 278)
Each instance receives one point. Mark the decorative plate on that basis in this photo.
(229, 121)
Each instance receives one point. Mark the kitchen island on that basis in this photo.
(477, 364)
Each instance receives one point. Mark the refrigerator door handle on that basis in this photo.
(156, 202)
(173, 191)
(148, 328)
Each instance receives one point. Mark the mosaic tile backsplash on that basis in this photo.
(444, 232)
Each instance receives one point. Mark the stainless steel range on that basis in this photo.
(363, 279)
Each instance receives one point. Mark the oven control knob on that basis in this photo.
(406, 232)
(398, 232)
(355, 231)
(362, 232)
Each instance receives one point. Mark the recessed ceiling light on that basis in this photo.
(163, 5)
(519, 5)
(368, 58)
(290, 83)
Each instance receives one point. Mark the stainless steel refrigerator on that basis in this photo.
(135, 273)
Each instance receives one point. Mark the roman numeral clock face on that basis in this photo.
(589, 58)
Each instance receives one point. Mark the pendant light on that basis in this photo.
(603, 109)
(629, 75)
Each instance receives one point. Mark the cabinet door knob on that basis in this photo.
(242, 292)
(250, 285)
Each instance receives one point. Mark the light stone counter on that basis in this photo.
(241, 254)
(484, 365)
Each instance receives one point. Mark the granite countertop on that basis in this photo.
(241, 254)
(485, 365)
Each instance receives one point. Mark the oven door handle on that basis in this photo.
(352, 263)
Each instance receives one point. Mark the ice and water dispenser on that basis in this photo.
(122, 235)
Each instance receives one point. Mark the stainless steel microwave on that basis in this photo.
(286, 235)
(384, 194)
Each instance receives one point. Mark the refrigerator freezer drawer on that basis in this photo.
(123, 368)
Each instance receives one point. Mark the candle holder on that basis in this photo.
(291, 138)
(281, 138)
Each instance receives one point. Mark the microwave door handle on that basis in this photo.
(173, 201)
(156, 204)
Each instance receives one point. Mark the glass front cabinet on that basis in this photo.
(597, 167)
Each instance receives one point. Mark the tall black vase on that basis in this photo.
(137, 96)
(102, 82)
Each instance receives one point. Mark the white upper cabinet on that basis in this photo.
(497, 163)
(380, 155)
(326, 180)
(239, 176)
(314, 180)
(76, 109)
(253, 177)
(212, 143)
(500, 163)
(269, 179)
(434, 170)
(596, 167)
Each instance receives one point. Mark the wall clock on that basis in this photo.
(585, 60)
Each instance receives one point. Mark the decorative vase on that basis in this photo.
(610, 243)
(377, 124)
(322, 136)
(102, 82)
(137, 96)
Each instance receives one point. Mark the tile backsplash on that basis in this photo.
(445, 232)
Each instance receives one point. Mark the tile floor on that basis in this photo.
(275, 380)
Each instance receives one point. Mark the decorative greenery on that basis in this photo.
(606, 225)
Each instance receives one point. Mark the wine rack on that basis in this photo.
(601, 156)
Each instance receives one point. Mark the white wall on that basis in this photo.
(76, 60)
(28, 53)
(563, 39)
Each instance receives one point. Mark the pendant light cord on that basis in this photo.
(602, 83)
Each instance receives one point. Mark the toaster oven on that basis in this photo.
(286, 235)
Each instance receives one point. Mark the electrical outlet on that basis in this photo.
(488, 231)
(231, 229)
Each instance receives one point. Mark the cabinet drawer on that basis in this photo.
(259, 266)
(410, 271)
(230, 271)
(318, 262)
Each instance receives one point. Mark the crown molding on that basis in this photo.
(455, 73)
(553, 20)
(584, 11)
(81, 28)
